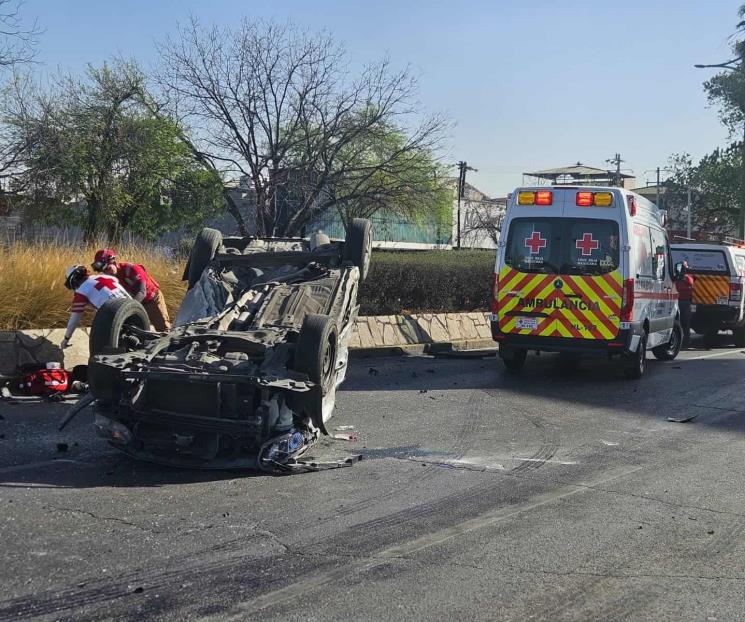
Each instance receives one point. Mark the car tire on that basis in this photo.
(201, 254)
(739, 334)
(513, 359)
(671, 349)
(711, 339)
(316, 350)
(114, 314)
(637, 361)
(358, 245)
(104, 383)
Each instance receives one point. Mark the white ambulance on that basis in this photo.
(584, 270)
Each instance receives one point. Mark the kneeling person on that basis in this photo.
(138, 283)
(89, 290)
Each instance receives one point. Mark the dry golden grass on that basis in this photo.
(32, 290)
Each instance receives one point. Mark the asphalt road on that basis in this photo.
(560, 494)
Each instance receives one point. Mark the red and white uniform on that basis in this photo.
(138, 283)
(94, 291)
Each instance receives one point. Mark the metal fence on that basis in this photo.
(390, 229)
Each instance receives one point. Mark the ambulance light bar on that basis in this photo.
(597, 199)
(540, 197)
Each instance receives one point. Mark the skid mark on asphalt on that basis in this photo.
(491, 517)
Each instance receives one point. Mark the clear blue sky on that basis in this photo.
(529, 85)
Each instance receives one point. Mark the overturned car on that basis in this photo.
(247, 376)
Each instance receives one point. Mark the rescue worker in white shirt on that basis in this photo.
(89, 290)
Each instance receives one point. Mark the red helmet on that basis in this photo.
(104, 257)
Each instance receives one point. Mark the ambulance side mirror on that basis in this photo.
(678, 271)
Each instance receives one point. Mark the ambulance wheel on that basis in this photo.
(739, 334)
(711, 339)
(636, 362)
(513, 359)
(108, 324)
(668, 351)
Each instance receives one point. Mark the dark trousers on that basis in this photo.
(685, 319)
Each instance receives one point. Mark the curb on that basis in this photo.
(468, 348)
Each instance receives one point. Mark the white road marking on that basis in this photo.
(542, 460)
(711, 356)
(293, 591)
(609, 443)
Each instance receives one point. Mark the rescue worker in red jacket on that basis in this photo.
(138, 283)
(89, 290)
(684, 284)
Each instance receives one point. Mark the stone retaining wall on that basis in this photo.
(42, 345)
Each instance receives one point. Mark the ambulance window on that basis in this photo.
(643, 252)
(530, 244)
(659, 246)
(592, 248)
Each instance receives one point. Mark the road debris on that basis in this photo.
(351, 436)
(682, 419)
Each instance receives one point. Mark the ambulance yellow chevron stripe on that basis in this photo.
(570, 306)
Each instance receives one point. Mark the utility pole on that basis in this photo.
(617, 173)
(657, 200)
(462, 168)
(689, 207)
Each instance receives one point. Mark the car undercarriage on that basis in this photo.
(248, 375)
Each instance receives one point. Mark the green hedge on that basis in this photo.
(427, 281)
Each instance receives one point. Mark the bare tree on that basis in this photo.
(17, 41)
(279, 107)
(482, 220)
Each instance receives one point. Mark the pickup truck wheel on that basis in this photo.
(669, 350)
(316, 350)
(204, 249)
(513, 359)
(739, 334)
(636, 362)
(358, 245)
(107, 328)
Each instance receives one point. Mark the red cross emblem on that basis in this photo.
(103, 281)
(535, 242)
(587, 244)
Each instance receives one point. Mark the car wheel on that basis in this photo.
(739, 334)
(513, 359)
(711, 339)
(108, 324)
(669, 350)
(204, 249)
(316, 350)
(636, 362)
(358, 245)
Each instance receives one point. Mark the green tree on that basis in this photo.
(95, 156)
(715, 183)
(727, 90)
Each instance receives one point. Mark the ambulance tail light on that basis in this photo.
(627, 301)
(584, 199)
(735, 292)
(494, 289)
